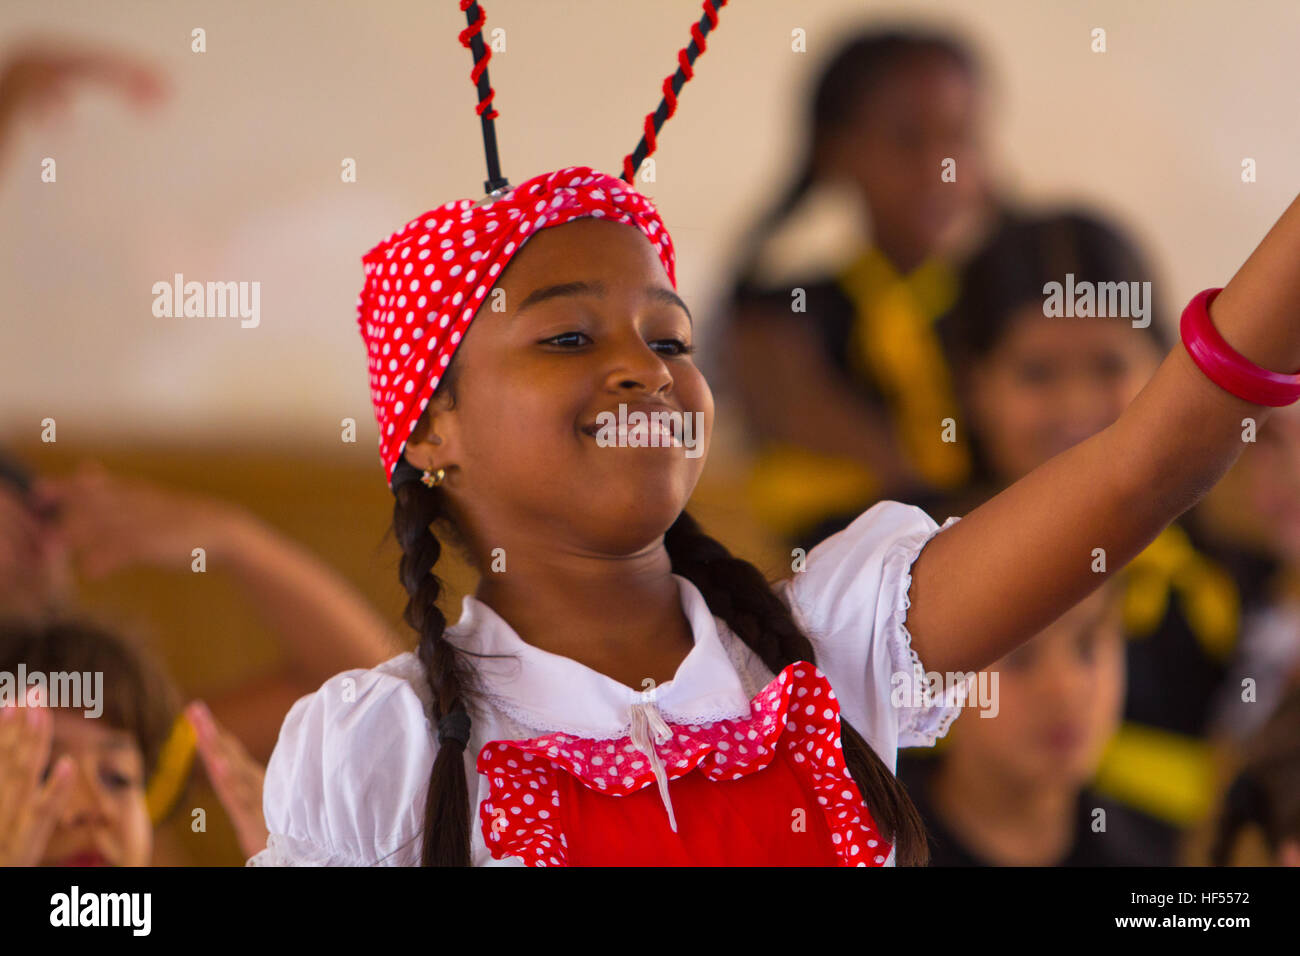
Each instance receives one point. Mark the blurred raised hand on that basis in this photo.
(39, 77)
(236, 777)
(30, 802)
(110, 523)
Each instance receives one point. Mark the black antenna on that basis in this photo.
(472, 37)
(672, 85)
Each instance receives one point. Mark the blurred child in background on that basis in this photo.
(86, 785)
(1010, 785)
(1265, 796)
(1269, 658)
(842, 376)
(1035, 384)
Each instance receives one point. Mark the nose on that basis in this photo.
(87, 803)
(636, 366)
(1085, 408)
(1064, 682)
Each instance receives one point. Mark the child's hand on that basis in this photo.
(235, 776)
(29, 808)
(111, 523)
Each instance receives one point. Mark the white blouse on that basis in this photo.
(347, 782)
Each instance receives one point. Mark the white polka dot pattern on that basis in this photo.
(433, 275)
(797, 711)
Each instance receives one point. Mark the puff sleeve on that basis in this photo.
(346, 783)
(852, 601)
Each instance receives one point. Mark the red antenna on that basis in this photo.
(672, 86)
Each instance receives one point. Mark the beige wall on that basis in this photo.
(238, 177)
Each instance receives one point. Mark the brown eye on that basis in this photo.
(678, 347)
(566, 339)
(1034, 373)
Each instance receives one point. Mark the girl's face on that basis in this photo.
(1060, 698)
(533, 379)
(105, 821)
(1273, 474)
(924, 111)
(1052, 382)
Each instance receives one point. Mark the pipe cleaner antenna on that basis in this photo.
(472, 37)
(672, 86)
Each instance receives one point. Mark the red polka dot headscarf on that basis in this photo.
(425, 283)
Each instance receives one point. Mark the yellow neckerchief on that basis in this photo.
(895, 344)
(174, 762)
(1162, 773)
(1208, 596)
(792, 488)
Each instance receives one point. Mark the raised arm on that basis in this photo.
(1019, 561)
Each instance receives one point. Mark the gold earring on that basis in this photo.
(431, 479)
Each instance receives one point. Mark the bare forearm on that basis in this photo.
(1183, 431)
(322, 622)
(1019, 561)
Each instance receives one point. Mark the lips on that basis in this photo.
(1064, 737)
(89, 858)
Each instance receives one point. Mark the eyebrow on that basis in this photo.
(598, 289)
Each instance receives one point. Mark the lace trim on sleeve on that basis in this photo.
(922, 724)
(282, 850)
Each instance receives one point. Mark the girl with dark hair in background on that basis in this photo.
(1035, 384)
(842, 376)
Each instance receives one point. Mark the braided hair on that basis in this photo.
(734, 590)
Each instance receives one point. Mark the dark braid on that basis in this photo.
(446, 811)
(737, 592)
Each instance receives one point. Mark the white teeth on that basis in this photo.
(648, 436)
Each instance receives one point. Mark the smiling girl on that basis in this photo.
(620, 689)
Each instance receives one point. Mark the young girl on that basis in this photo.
(620, 688)
(86, 782)
(612, 648)
(839, 368)
(1034, 385)
(1011, 785)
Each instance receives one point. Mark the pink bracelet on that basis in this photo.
(1232, 372)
